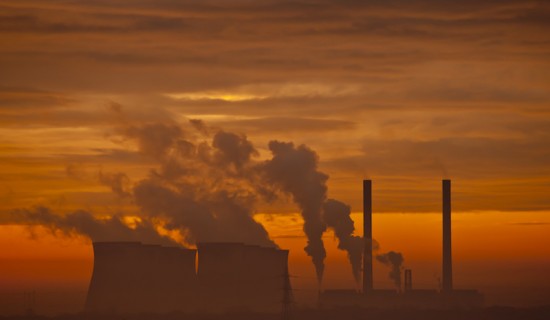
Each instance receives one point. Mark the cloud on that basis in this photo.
(336, 215)
(406, 92)
(294, 171)
(83, 223)
(286, 124)
(15, 100)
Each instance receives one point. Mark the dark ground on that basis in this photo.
(500, 313)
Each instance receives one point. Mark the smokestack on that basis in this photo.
(408, 280)
(367, 236)
(447, 261)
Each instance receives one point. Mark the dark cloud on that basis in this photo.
(395, 261)
(407, 90)
(83, 223)
(153, 139)
(118, 182)
(336, 215)
(232, 149)
(502, 166)
(294, 170)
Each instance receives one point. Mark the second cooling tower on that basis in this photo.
(235, 276)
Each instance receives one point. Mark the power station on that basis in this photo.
(447, 296)
(131, 277)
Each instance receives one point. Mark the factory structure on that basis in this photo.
(131, 277)
(445, 297)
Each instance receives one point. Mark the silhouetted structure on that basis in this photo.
(287, 297)
(235, 276)
(408, 280)
(409, 297)
(447, 280)
(131, 277)
(367, 236)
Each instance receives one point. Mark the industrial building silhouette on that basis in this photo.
(131, 277)
(446, 297)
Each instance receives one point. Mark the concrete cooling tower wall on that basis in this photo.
(129, 277)
(235, 276)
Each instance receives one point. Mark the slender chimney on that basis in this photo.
(367, 236)
(447, 260)
(408, 280)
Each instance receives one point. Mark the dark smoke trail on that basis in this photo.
(294, 170)
(395, 261)
(84, 223)
(202, 188)
(337, 217)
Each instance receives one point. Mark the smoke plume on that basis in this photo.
(202, 189)
(204, 186)
(294, 171)
(84, 223)
(395, 261)
(337, 217)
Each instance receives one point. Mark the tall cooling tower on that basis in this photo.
(177, 279)
(112, 287)
(219, 272)
(264, 272)
(168, 281)
(235, 276)
(129, 277)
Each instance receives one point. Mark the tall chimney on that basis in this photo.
(408, 280)
(447, 260)
(367, 236)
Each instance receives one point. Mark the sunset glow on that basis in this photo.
(180, 122)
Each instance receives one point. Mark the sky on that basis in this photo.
(97, 97)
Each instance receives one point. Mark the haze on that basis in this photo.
(108, 106)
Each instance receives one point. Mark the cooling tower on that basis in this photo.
(264, 271)
(235, 276)
(447, 281)
(112, 277)
(129, 277)
(219, 272)
(367, 236)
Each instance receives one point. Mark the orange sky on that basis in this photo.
(403, 94)
(492, 251)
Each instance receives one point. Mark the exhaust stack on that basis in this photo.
(447, 257)
(408, 280)
(367, 236)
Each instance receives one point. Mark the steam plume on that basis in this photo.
(84, 223)
(294, 170)
(205, 188)
(395, 261)
(202, 189)
(337, 217)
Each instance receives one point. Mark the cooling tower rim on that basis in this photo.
(112, 243)
(142, 245)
